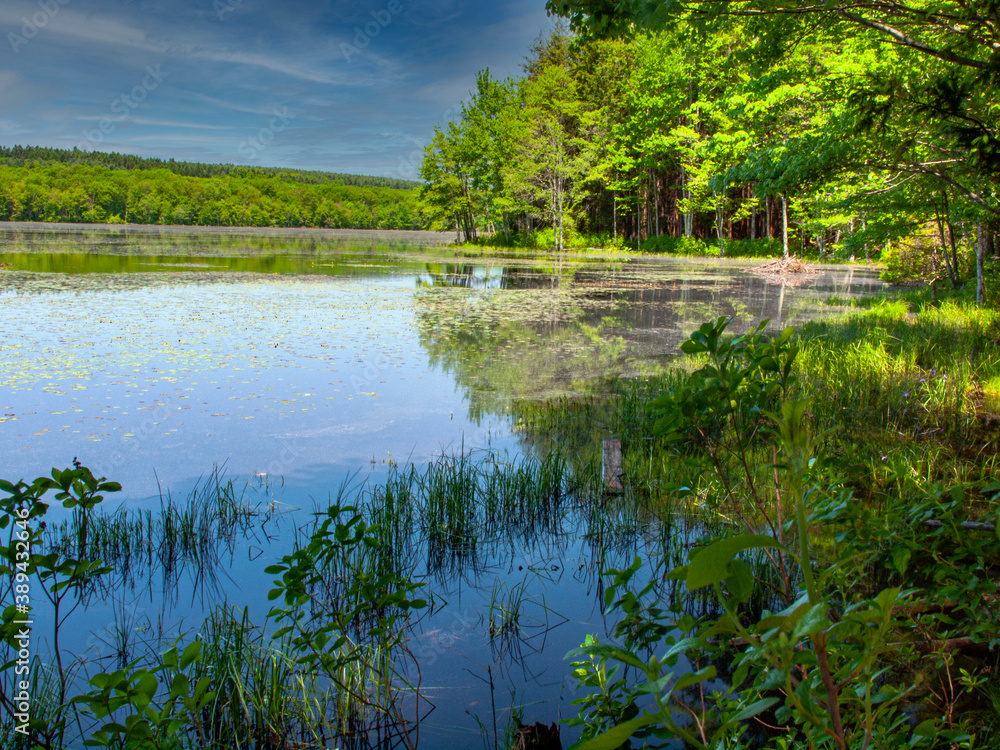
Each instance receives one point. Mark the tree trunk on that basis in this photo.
(951, 235)
(656, 203)
(689, 212)
(952, 280)
(719, 221)
(820, 231)
(561, 192)
(980, 255)
(784, 224)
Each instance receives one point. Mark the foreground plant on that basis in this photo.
(832, 667)
(332, 662)
(61, 578)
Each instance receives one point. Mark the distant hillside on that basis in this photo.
(35, 189)
(21, 156)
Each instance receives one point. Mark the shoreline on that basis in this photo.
(438, 241)
(57, 226)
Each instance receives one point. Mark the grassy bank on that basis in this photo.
(664, 245)
(854, 468)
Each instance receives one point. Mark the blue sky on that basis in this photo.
(252, 81)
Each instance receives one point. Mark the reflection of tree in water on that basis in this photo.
(531, 330)
(498, 275)
(495, 361)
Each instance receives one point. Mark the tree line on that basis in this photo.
(19, 156)
(839, 128)
(65, 192)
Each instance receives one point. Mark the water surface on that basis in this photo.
(301, 360)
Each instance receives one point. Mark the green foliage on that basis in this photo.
(678, 246)
(35, 156)
(743, 378)
(141, 711)
(824, 129)
(369, 604)
(98, 194)
(62, 578)
(862, 626)
(908, 262)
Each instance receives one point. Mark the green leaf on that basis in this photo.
(180, 686)
(683, 645)
(812, 621)
(755, 708)
(711, 565)
(146, 689)
(607, 651)
(740, 581)
(615, 737)
(693, 678)
(692, 347)
(191, 654)
(901, 559)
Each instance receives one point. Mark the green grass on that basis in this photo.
(909, 392)
(193, 533)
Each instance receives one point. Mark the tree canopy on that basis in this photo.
(842, 129)
(63, 192)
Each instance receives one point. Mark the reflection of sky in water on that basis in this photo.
(280, 377)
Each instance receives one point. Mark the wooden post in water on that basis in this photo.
(613, 466)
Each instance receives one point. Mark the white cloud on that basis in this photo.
(97, 29)
(170, 124)
(268, 62)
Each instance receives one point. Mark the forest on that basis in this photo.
(734, 132)
(41, 184)
(19, 156)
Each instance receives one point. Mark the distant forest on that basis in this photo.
(47, 184)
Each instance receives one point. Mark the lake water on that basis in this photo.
(301, 360)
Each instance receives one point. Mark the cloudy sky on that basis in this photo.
(334, 85)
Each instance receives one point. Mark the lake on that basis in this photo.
(306, 364)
